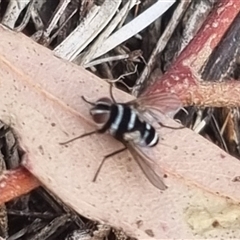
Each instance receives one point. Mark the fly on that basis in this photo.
(130, 124)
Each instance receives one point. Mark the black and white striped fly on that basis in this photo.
(130, 123)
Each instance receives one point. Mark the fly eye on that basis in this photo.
(100, 118)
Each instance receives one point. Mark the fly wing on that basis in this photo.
(156, 107)
(161, 102)
(148, 166)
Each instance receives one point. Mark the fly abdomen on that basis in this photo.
(145, 134)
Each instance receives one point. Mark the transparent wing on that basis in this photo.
(160, 103)
(148, 166)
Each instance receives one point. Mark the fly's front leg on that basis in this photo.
(78, 137)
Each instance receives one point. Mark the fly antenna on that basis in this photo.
(85, 100)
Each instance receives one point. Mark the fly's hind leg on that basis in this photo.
(170, 127)
(105, 158)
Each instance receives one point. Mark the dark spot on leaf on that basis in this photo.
(236, 179)
(139, 223)
(215, 224)
(41, 149)
(149, 232)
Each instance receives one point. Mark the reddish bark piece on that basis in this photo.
(15, 183)
(183, 76)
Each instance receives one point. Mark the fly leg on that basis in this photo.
(166, 126)
(105, 158)
(81, 136)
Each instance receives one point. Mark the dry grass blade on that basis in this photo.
(99, 44)
(84, 34)
(97, 19)
(133, 27)
(13, 11)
